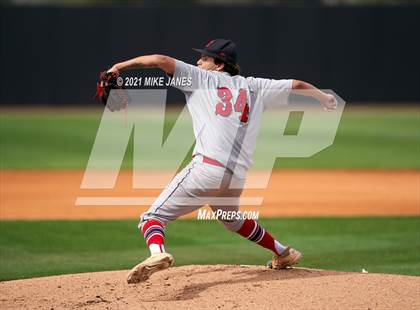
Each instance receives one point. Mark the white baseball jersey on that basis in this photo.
(223, 128)
(225, 132)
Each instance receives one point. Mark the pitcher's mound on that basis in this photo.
(216, 287)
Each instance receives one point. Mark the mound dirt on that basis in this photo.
(215, 287)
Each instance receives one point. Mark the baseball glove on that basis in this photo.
(110, 93)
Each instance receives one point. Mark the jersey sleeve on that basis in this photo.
(188, 77)
(272, 92)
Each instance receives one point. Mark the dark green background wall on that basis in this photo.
(52, 55)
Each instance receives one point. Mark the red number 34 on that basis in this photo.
(224, 108)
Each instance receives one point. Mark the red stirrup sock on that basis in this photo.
(154, 235)
(252, 231)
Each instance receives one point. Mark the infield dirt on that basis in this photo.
(31, 195)
(215, 287)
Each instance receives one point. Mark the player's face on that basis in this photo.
(207, 63)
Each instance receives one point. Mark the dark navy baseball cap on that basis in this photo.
(222, 49)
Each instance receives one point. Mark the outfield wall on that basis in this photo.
(52, 55)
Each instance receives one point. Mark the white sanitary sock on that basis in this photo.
(279, 247)
(156, 248)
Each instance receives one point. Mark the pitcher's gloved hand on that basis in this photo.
(110, 93)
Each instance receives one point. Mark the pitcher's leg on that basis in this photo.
(168, 207)
(165, 208)
(173, 202)
(249, 229)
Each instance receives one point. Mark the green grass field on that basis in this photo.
(373, 138)
(380, 245)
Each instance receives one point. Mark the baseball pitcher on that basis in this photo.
(226, 111)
